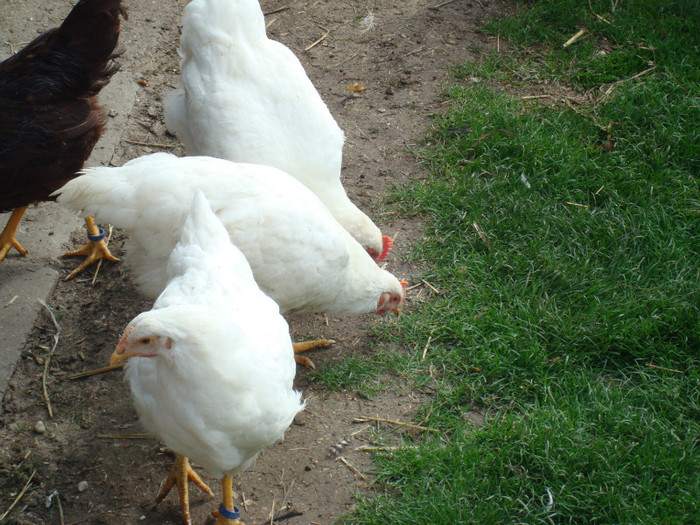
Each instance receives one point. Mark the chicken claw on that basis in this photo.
(309, 345)
(94, 250)
(180, 474)
(7, 239)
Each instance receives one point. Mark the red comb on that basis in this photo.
(387, 245)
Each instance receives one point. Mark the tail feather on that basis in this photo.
(204, 241)
(70, 61)
(202, 227)
(103, 193)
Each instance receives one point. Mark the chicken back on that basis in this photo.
(50, 117)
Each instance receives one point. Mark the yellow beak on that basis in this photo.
(120, 353)
(116, 358)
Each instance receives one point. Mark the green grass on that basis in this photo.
(586, 273)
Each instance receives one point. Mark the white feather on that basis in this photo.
(246, 98)
(299, 254)
(223, 391)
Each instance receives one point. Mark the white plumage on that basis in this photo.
(246, 98)
(213, 365)
(300, 256)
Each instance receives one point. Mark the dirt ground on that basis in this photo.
(400, 50)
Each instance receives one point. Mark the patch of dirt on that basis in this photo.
(400, 49)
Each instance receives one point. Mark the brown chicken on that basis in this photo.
(50, 118)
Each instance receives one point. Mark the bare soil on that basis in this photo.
(400, 50)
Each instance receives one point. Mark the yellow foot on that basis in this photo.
(180, 474)
(93, 252)
(309, 345)
(7, 245)
(7, 238)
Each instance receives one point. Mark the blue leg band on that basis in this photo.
(228, 513)
(97, 237)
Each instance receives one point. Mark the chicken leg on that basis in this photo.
(94, 250)
(227, 507)
(7, 239)
(309, 345)
(180, 474)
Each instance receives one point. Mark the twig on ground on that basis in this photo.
(150, 144)
(19, 496)
(318, 41)
(677, 81)
(12, 46)
(575, 37)
(481, 234)
(425, 349)
(99, 263)
(364, 419)
(96, 371)
(349, 465)
(612, 86)
(664, 368)
(641, 73)
(435, 290)
(370, 448)
(590, 6)
(530, 97)
(286, 515)
(124, 436)
(577, 204)
(443, 4)
(61, 519)
(421, 48)
(47, 361)
(278, 10)
(592, 117)
(9, 303)
(360, 430)
(346, 59)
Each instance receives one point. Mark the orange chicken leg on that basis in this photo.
(7, 238)
(94, 250)
(309, 345)
(180, 474)
(227, 507)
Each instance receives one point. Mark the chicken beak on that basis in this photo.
(397, 311)
(120, 353)
(117, 358)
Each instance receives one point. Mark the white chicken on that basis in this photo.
(211, 365)
(246, 98)
(300, 255)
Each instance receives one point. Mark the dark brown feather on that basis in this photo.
(48, 101)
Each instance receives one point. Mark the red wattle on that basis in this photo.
(387, 245)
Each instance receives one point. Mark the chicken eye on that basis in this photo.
(145, 341)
